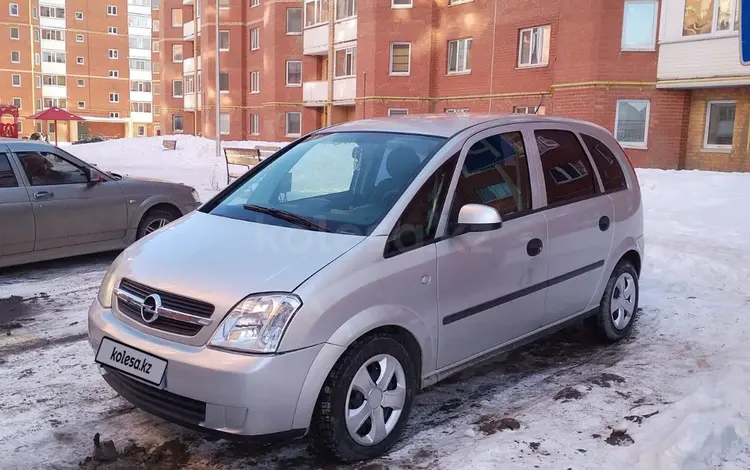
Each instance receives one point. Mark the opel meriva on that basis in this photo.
(321, 290)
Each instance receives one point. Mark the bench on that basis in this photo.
(240, 156)
(267, 150)
(169, 144)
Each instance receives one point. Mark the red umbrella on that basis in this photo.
(55, 114)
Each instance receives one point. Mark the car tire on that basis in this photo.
(154, 220)
(619, 305)
(342, 403)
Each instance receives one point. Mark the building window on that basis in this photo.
(293, 124)
(79, 37)
(224, 4)
(254, 124)
(140, 42)
(177, 88)
(710, 16)
(529, 110)
(53, 57)
(80, 83)
(398, 112)
(155, 25)
(533, 47)
(53, 35)
(457, 110)
(639, 25)
(33, 12)
(316, 12)
(141, 64)
(111, 10)
(176, 53)
(38, 104)
(113, 54)
(53, 80)
(38, 81)
(459, 56)
(155, 4)
(631, 122)
(17, 102)
(37, 58)
(15, 57)
(458, 2)
(346, 9)
(188, 84)
(345, 62)
(114, 97)
(81, 105)
(254, 3)
(294, 21)
(141, 131)
(224, 123)
(254, 82)
(223, 40)
(20, 127)
(36, 35)
(139, 21)
(79, 60)
(155, 46)
(400, 62)
(176, 17)
(719, 124)
(177, 123)
(13, 9)
(255, 39)
(224, 82)
(140, 107)
(155, 88)
(114, 74)
(114, 115)
(154, 68)
(293, 73)
(111, 30)
(401, 3)
(140, 85)
(79, 15)
(157, 110)
(14, 33)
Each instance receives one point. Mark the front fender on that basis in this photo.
(148, 203)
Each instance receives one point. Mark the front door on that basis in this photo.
(16, 215)
(68, 210)
(491, 285)
(580, 219)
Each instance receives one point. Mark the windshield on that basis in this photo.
(344, 182)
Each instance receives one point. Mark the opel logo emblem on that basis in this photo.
(150, 308)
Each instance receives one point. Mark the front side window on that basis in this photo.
(606, 163)
(47, 168)
(496, 174)
(224, 40)
(400, 63)
(345, 65)
(346, 9)
(639, 25)
(328, 179)
(533, 47)
(7, 177)
(631, 122)
(710, 17)
(293, 73)
(459, 56)
(293, 124)
(720, 124)
(294, 21)
(568, 175)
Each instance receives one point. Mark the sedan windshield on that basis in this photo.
(339, 182)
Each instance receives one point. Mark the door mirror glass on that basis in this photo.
(478, 218)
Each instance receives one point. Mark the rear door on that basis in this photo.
(580, 219)
(68, 210)
(16, 215)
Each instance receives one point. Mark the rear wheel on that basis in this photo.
(154, 220)
(619, 304)
(366, 400)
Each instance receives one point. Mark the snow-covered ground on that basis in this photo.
(672, 397)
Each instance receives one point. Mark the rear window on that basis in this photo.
(568, 175)
(7, 178)
(609, 168)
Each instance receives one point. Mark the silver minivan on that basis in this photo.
(320, 291)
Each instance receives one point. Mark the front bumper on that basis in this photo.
(234, 394)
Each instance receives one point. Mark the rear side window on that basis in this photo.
(568, 175)
(495, 173)
(7, 178)
(609, 168)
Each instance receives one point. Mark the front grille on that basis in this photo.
(162, 403)
(170, 301)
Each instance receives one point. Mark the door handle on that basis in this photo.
(44, 195)
(534, 247)
(604, 223)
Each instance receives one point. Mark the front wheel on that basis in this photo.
(366, 400)
(619, 304)
(154, 220)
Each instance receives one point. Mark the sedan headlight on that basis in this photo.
(257, 324)
(108, 284)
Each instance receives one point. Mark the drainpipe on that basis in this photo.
(331, 58)
(33, 64)
(492, 56)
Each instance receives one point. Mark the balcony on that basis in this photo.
(188, 65)
(52, 45)
(141, 117)
(315, 93)
(189, 101)
(711, 60)
(53, 68)
(52, 23)
(345, 30)
(188, 2)
(140, 74)
(315, 40)
(139, 53)
(145, 96)
(344, 90)
(188, 30)
(139, 10)
(54, 91)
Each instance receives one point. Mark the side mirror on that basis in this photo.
(478, 218)
(286, 184)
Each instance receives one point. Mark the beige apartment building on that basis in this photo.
(93, 58)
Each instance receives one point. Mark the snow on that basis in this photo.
(672, 397)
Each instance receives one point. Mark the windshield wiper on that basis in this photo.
(288, 216)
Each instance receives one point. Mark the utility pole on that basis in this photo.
(218, 102)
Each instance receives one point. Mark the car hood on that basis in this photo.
(142, 178)
(221, 260)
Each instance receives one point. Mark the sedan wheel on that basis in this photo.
(619, 305)
(154, 220)
(622, 305)
(156, 225)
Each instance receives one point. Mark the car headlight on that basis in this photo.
(108, 284)
(196, 196)
(257, 324)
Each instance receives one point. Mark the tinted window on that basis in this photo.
(495, 173)
(46, 168)
(7, 178)
(567, 172)
(419, 221)
(609, 168)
